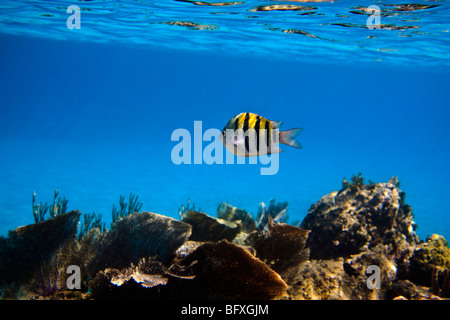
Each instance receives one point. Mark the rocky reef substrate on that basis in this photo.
(355, 243)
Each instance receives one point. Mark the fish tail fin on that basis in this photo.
(288, 137)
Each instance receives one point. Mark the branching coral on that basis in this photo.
(126, 208)
(182, 211)
(58, 207)
(230, 213)
(90, 221)
(277, 211)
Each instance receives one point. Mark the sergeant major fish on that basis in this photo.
(249, 134)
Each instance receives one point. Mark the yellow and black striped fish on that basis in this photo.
(249, 134)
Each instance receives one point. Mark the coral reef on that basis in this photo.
(27, 247)
(207, 228)
(428, 258)
(31, 255)
(212, 271)
(342, 279)
(441, 282)
(359, 217)
(224, 270)
(401, 288)
(355, 243)
(137, 236)
(282, 248)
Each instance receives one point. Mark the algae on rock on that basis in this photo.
(357, 218)
(434, 254)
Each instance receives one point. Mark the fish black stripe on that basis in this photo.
(246, 120)
(257, 127)
(268, 134)
(245, 128)
(235, 122)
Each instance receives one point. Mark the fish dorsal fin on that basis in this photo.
(277, 124)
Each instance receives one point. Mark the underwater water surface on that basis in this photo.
(91, 111)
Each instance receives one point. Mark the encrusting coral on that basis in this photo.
(346, 236)
(359, 217)
(430, 257)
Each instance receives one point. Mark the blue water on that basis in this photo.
(90, 112)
